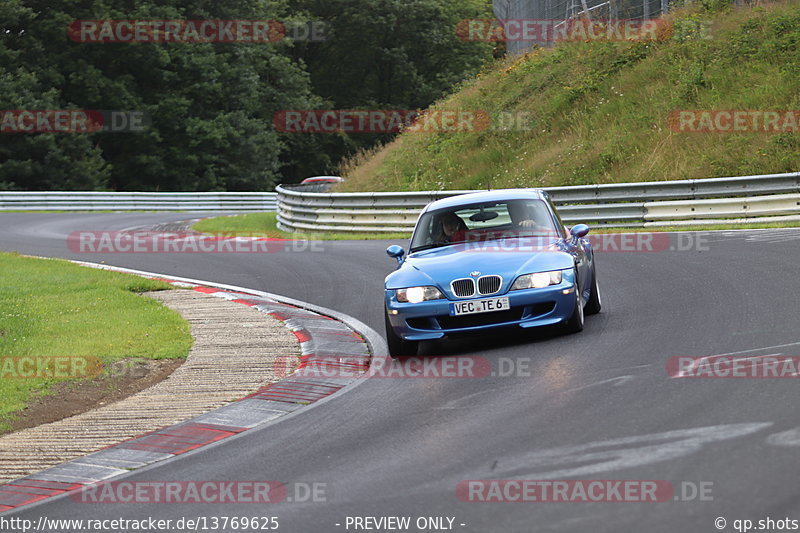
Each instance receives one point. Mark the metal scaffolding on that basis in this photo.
(556, 14)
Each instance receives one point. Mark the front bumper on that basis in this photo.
(529, 308)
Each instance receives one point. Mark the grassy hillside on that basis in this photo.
(598, 111)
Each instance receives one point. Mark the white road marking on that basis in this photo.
(757, 349)
(617, 381)
(785, 438)
(626, 452)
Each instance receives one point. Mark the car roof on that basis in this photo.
(323, 178)
(497, 195)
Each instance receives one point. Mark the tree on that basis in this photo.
(209, 105)
(46, 160)
(389, 54)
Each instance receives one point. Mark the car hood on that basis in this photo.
(439, 266)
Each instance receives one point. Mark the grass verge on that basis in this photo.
(265, 225)
(53, 308)
(699, 227)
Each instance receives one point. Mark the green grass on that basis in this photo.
(265, 225)
(50, 307)
(598, 111)
(700, 227)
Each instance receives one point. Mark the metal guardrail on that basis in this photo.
(702, 201)
(137, 201)
(739, 199)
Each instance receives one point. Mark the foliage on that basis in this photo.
(210, 105)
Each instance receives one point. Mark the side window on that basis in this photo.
(559, 223)
(423, 233)
(433, 228)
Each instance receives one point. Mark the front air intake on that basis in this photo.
(463, 288)
(489, 284)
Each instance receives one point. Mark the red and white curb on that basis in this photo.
(328, 340)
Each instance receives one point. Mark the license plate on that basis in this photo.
(472, 307)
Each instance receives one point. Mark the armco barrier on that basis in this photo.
(702, 201)
(136, 201)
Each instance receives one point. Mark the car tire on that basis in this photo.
(397, 346)
(575, 322)
(594, 304)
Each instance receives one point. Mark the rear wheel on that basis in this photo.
(593, 305)
(397, 346)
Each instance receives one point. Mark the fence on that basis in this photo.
(567, 10)
(137, 201)
(767, 198)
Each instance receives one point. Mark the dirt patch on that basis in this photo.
(124, 378)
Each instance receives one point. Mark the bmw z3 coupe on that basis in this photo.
(486, 260)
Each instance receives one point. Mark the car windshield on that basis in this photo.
(483, 222)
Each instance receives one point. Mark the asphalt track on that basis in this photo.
(595, 405)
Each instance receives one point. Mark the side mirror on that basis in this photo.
(579, 231)
(397, 252)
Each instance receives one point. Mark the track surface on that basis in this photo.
(399, 447)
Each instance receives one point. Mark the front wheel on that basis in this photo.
(593, 305)
(397, 346)
(575, 322)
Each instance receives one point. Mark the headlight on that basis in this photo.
(537, 280)
(416, 295)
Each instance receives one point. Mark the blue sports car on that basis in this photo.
(485, 260)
